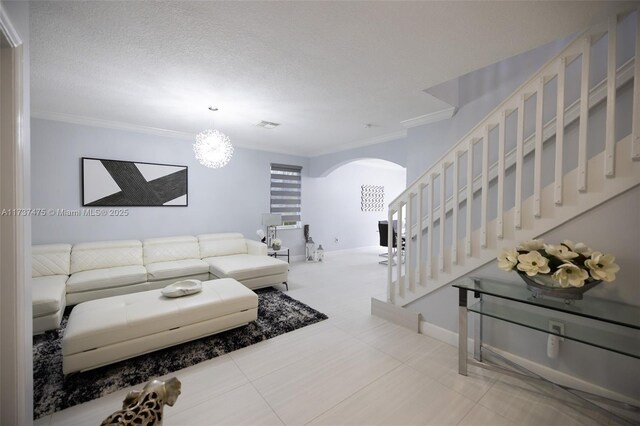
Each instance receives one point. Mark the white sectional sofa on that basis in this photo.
(106, 268)
(65, 275)
(50, 271)
(231, 256)
(168, 259)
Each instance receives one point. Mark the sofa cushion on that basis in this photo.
(221, 244)
(245, 266)
(106, 278)
(47, 294)
(173, 248)
(105, 254)
(176, 268)
(102, 322)
(50, 259)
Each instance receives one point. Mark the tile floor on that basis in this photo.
(351, 369)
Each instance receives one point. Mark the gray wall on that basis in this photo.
(231, 199)
(613, 227)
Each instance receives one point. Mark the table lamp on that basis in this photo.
(271, 221)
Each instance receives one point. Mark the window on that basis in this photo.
(286, 184)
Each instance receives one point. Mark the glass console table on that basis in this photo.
(601, 323)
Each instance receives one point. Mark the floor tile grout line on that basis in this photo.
(284, 366)
(355, 392)
(388, 354)
(493, 382)
(259, 393)
(230, 389)
(482, 406)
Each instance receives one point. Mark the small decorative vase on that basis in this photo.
(275, 246)
(544, 285)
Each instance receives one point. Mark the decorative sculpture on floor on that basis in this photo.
(144, 407)
(306, 234)
(310, 245)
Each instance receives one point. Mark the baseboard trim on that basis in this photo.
(451, 338)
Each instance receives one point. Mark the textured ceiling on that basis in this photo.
(321, 69)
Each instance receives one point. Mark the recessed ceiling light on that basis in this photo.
(267, 124)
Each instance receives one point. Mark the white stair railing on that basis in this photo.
(592, 182)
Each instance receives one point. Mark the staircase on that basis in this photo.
(534, 168)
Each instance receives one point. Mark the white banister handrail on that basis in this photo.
(572, 113)
(547, 68)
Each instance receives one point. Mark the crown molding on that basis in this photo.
(116, 125)
(362, 142)
(97, 122)
(432, 117)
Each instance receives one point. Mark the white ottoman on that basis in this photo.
(104, 331)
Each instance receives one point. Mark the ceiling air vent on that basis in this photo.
(267, 124)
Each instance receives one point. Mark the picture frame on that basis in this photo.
(121, 183)
(372, 198)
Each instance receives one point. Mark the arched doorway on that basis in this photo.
(334, 207)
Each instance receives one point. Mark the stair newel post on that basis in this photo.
(391, 291)
(400, 279)
(584, 115)
(409, 273)
(537, 162)
(443, 212)
(454, 214)
(610, 141)
(430, 222)
(501, 137)
(469, 196)
(517, 210)
(562, 65)
(419, 233)
(635, 142)
(485, 187)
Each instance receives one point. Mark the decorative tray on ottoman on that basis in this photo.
(182, 288)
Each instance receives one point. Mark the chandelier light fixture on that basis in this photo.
(213, 148)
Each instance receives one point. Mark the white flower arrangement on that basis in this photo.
(569, 264)
(276, 242)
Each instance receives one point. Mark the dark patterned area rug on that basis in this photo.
(277, 314)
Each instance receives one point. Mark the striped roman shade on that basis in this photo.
(286, 184)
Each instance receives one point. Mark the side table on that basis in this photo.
(284, 251)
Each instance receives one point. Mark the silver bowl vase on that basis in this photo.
(544, 285)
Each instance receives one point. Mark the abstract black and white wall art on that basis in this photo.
(126, 183)
(372, 198)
